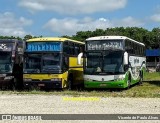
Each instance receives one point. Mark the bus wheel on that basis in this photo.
(70, 83)
(129, 82)
(141, 78)
(12, 86)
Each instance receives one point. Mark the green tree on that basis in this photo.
(27, 37)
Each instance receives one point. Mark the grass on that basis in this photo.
(152, 76)
(149, 89)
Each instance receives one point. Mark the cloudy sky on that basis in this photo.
(66, 17)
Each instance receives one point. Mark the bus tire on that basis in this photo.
(12, 86)
(15, 83)
(129, 82)
(141, 78)
(70, 82)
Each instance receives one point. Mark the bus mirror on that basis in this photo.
(79, 58)
(125, 60)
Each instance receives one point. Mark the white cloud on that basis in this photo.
(69, 26)
(12, 26)
(155, 18)
(73, 7)
(128, 22)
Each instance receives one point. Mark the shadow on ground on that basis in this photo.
(154, 82)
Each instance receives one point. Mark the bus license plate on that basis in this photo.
(41, 85)
(102, 85)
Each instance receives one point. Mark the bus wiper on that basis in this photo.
(102, 73)
(117, 72)
(110, 73)
(50, 68)
(35, 71)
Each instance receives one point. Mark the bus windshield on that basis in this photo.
(107, 62)
(5, 62)
(51, 62)
(42, 63)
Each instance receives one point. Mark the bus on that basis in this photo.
(51, 62)
(113, 62)
(11, 64)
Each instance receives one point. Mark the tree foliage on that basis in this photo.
(10, 37)
(151, 38)
(18, 38)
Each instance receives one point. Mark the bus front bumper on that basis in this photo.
(5, 83)
(41, 84)
(109, 84)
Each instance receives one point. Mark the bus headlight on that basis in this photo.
(87, 79)
(56, 79)
(8, 77)
(119, 79)
(27, 79)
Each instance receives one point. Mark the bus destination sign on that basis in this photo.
(6, 46)
(43, 46)
(104, 45)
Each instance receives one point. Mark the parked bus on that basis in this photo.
(51, 62)
(113, 62)
(11, 61)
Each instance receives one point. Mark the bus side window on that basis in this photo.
(129, 47)
(71, 48)
(138, 49)
(81, 48)
(66, 48)
(65, 62)
(133, 48)
(76, 49)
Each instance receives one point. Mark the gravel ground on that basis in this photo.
(52, 104)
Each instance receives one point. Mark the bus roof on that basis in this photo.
(10, 40)
(52, 39)
(112, 38)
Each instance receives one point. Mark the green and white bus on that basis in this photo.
(113, 62)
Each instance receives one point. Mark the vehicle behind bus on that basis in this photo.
(113, 62)
(51, 63)
(11, 64)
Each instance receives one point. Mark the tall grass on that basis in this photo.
(149, 89)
